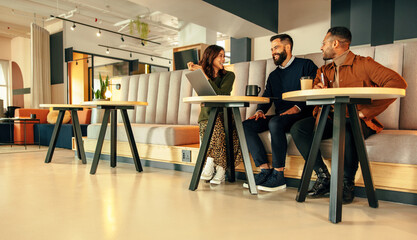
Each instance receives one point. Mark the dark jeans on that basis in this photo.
(278, 126)
(302, 134)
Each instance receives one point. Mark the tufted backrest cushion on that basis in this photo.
(408, 113)
(391, 56)
(162, 98)
(364, 51)
(317, 58)
(184, 109)
(241, 71)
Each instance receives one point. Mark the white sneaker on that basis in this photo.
(208, 170)
(219, 176)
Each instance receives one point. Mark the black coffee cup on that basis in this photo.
(33, 116)
(252, 90)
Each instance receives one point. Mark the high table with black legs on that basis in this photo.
(342, 99)
(230, 106)
(112, 107)
(75, 126)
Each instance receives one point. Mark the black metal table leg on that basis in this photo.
(11, 137)
(78, 136)
(315, 146)
(338, 157)
(363, 156)
(203, 149)
(131, 139)
(113, 138)
(245, 151)
(100, 140)
(228, 130)
(75, 134)
(54, 137)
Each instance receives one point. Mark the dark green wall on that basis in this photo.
(57, 58)
(240, 50)
(376, 22)
(360, 21)
(260, 12)
(405, 25)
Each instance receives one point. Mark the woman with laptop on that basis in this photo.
(222, 82)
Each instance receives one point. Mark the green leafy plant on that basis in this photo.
(142, 28)
(100, 93)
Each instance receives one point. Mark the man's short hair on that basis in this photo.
(283, 37)
(341, 32)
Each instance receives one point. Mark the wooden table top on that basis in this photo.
(114, 103)
(61, 105)
(355, 92)
(225, 99)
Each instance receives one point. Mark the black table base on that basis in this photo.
(341, 104)
(77, 133)
(113, 137)
(230, 110)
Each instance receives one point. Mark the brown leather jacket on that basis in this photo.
(358, 71)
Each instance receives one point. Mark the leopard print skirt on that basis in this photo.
(217, 147)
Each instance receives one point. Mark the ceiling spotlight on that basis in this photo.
(73, 26)
(121, 38)
(151, 58)
(99, 33)
(169, 62)
(143, 44)
(107, 51)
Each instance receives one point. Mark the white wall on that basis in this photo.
(305, 21)
(84, 39)
(194, 34)
(20, 54)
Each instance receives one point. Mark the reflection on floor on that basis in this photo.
(61, 200)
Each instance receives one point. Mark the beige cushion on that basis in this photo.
(391, 56)
(53, 116)
(161, 134)
(408, 114)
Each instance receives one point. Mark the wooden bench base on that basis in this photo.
(387, 176)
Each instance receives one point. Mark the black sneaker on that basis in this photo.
(275, 182)
(348, 192)
(322, 185)
(260, 177)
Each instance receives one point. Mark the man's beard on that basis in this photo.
(281, 59)
(327, 55)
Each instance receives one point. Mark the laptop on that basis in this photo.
(200, 83)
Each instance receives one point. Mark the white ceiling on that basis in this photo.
(163, 16)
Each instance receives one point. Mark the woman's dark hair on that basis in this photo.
(206, 62)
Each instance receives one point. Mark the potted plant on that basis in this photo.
(100, 93)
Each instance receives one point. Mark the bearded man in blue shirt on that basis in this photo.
(285, 78)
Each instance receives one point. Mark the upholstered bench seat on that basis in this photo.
(160, 134)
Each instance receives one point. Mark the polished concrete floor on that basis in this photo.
(61, 200)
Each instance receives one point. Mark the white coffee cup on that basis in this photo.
(306, 82)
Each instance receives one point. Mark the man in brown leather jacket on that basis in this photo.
(346, 70)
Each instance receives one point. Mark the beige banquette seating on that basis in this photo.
(169, 121)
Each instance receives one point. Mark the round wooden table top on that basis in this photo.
(225, 99)
(114, 103)
(61, 105)
(355, 92)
